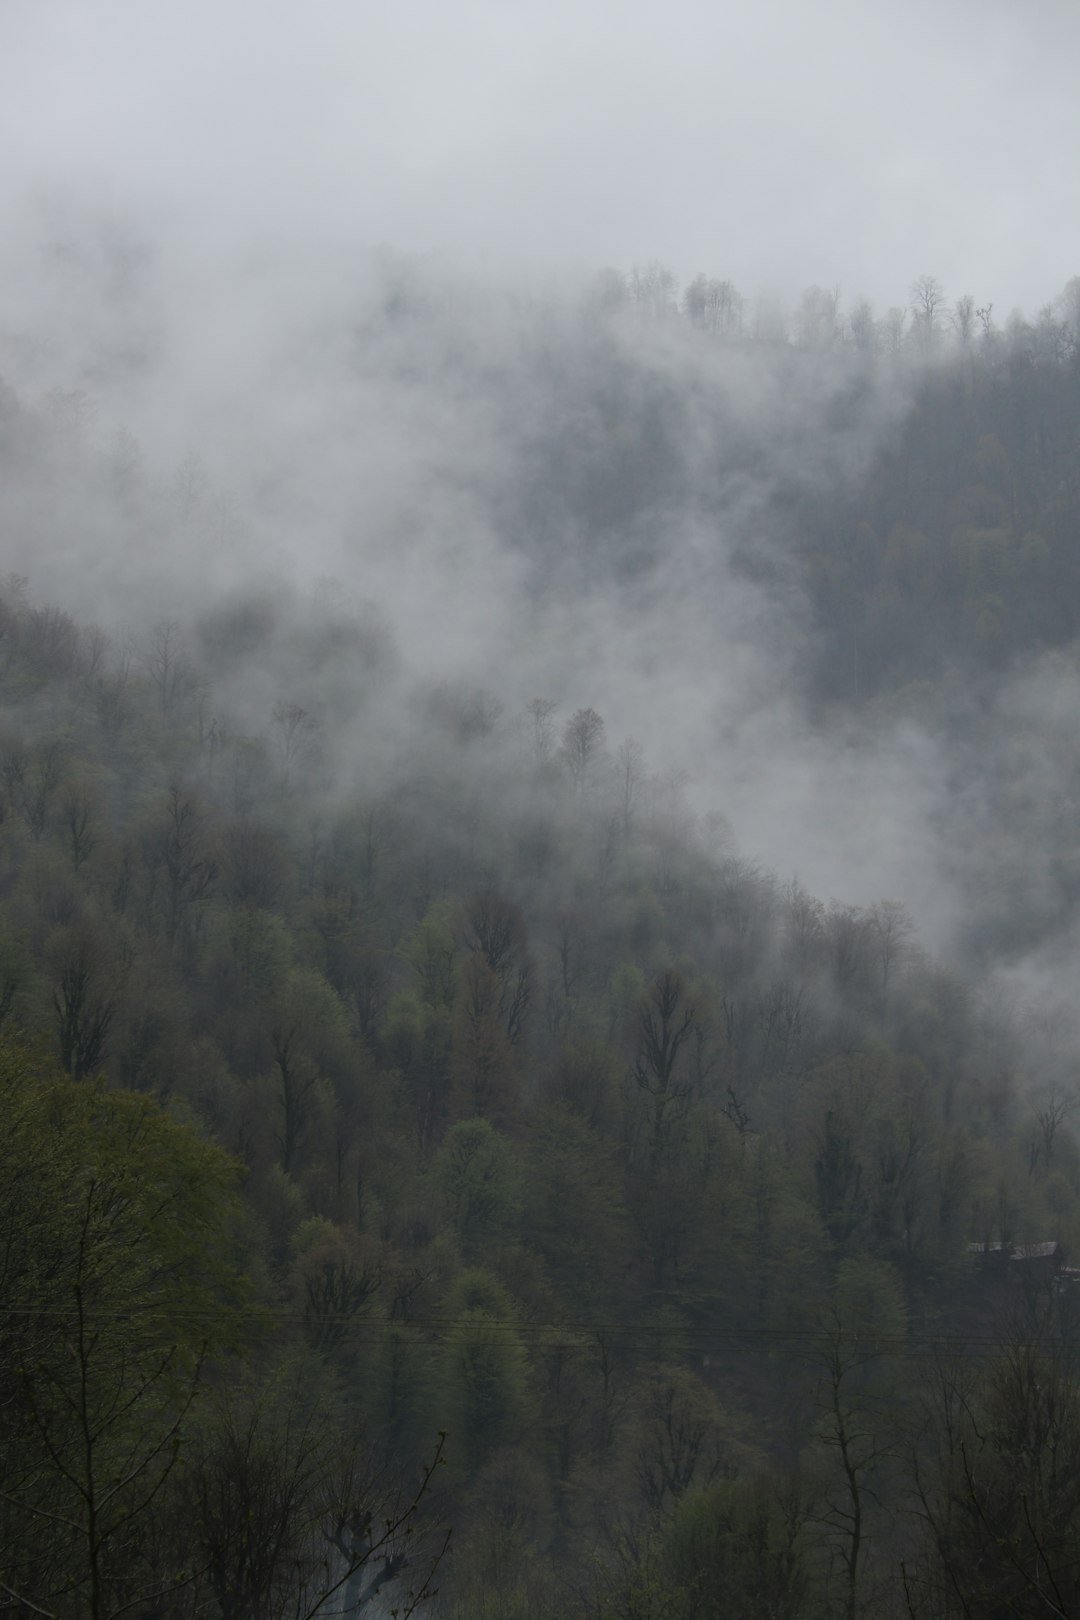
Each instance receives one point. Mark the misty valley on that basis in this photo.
(539, 903)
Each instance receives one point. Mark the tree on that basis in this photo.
(653, 288)
(713, 305)
(255, 865)
(495, 931)
(817, 322)
(169, 667)
(737, 1546)
(679, 1438)
(995, 1466)
(630, 761)
(178, 849)
(927, 300)
(890, 927)
(851, 937)
(289, 1515)
(294, 732)
(662, 1027)
(582, 740)
(475, 1173)
(838, 1173)
(482, 1054)
(117, 1275)
(575, 1216)
(335, 1275)
(963, 319)
(83, 999)
(892, 327)
(863, 328)
(1050, 1115)
(432, 954)
(483, 1374)
(864, 1325)
(80, 821)
(541, 729)
(43, 775)
(305, 1017)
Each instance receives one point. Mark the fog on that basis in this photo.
(844, 144)
(457, 470)
(311, 304)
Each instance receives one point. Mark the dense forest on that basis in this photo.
(448, 1164)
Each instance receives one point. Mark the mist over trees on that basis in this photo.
(538, 887)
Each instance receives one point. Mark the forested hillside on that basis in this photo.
(450, 1158)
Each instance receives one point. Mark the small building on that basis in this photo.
(1028, 1263)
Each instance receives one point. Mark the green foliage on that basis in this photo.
(431, 953)
(575, 1216)
(483, 1387)
(398, 1391)
(508, 1523)
(475, 1173)
(120, 1278)
(403, 1030)
(441, 1026)
(738, 1547)
(869, 1306)
(679, 1436)
(250, 950)
(281, 1206)
(335, 1276)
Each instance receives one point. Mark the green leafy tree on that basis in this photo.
(484, 1396)
(118, 1282)
(475, 1172)
(738, 1546)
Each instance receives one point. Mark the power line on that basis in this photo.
(568, 1333)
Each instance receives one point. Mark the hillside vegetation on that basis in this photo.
(439, 1166)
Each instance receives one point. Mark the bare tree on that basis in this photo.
(1050, 1116)
(83, 1003)
(542, 730)
(294, 729)
(662, 1027)
(42, 780)
(714, 305)
(495, 930)
(891, 927)
(169, 667)
(963, 319)
(817, 322)
(582, 740)
(179, 848)
(79, 819)
(892, 328)
(857, 1431)
(927, 300)
(291, 1520)
(862, 327)
(653, 288)
(630, 762)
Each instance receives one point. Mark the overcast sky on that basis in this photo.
(850, 142)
